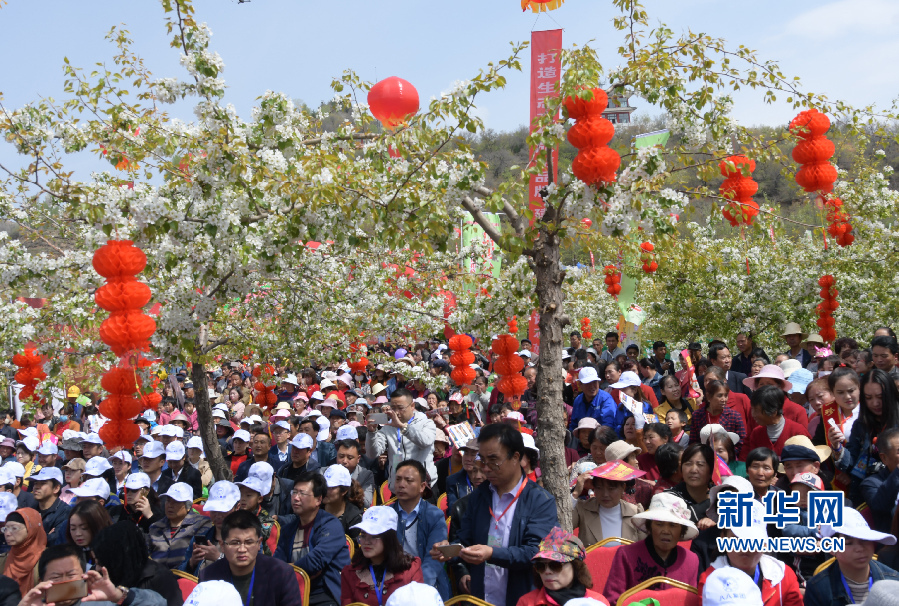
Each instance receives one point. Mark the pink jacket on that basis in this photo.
(538, 597)
(633, 564)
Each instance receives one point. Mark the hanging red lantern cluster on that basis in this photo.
(127, 329)
(30, 373)
(265, 394)
(585, 329)
(123, 404)
(739, 189)
(509, 366)
(826, 307)
(648, 256)
(596, 163)
(613, 280)
(813, 152)
(462, 359)
(839, 227)
(359, 366)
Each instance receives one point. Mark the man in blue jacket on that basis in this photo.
(459, 485)
(259, 579)
(314, 540)
(592, 401)
(420, 525)
(507, 518)
(323, 452)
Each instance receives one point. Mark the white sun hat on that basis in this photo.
(706, 431)
(666, 507)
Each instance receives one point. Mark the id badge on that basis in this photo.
(860, 469)
(494, 539)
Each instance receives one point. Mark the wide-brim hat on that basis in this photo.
(706, 432)
(790, 366)
(666, 507)
(620, 450)
(814, 338)
(377, 388)
(768, 371)
(794, 329)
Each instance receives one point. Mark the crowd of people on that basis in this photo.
(361, 480)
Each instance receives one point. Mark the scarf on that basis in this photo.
(561, 596)
(775, 430)
(22, 558)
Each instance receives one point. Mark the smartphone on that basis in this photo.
(450, 551)
(379, 418)
(200, 540)
(67, 590)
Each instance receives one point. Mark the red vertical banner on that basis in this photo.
(546, 73)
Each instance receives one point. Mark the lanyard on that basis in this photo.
(399, 440)
(518, 494)
(250, 589)
(406, 528)
(379, 587)
(755, 578)
(469, 483)
(849, 591)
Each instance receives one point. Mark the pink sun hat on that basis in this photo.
(768, 371)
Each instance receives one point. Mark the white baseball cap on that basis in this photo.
(29, 431)
(144, 436)
(729, 586)
(587, 375)
(95, 487)
(347, 432)
(153, 450)
(378, 520)
(627, 379)
(6, 476)
(48, 473)
(317, 396)
(29, 442)
(242, 434)
(255, 419)
(48, 448)
(96, 466)
(8, 504)
(338, 475)
(263, 471)
(415, 594)
(282, 424)
(854, 525)
(137, 480)
(257, 485)
(214, 593)
(92, 438)
(223, 496)
(122, 455)
(219, 414)
(180, 491)
(149, 415)
(292, 379)
(15, 468)
(530, 443)
(195, 442)
(301, 440)
(172, 431)
(156, 430)
(175, 451)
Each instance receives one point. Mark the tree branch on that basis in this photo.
(480, 219)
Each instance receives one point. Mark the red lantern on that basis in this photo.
(739, 189)
(825, 309)
(462, 359)
(596, 163)
(538, 6)
(587, 223)
(30, 373)
(813, 152)
(393, 101)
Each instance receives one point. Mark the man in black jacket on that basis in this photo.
(46, 485)
(272, 581)
(260, 446)
(179, 470)
(719, 355)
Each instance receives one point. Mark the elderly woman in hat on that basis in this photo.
(849, 580)
(607, 514)
(666, 523)
(560, 573)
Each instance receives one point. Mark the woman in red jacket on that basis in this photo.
(778, 582)
(560, 573)
(380, 566)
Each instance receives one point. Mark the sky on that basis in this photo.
(841, 48)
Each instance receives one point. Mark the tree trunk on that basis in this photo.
(204, 421)
(550, 374)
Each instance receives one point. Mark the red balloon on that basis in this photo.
(392, 101)
(587, 223)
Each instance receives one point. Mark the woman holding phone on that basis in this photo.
(380, 565)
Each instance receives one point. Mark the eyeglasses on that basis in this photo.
(541, 566)
(368, 538)
(491, 463)
(300, 493)
(249, 544)
(12, 527)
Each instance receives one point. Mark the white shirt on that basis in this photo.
(610, 519)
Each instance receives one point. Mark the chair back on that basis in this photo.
(466, 599)
(667, 591)
(198, 507)
(448, 520)
(350, 545)
(186, 583)
(612, 542)
(303, 580)
(385, 493)
(442, 504)
(599, 561)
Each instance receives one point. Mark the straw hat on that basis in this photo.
(794, 329)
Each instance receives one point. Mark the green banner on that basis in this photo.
(656, 137)
(489, 264)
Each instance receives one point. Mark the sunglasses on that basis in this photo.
(542, 566)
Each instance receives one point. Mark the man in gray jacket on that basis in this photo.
(407, 435)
